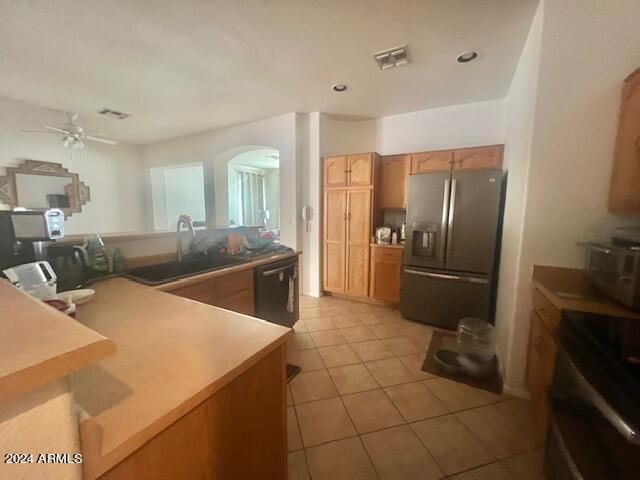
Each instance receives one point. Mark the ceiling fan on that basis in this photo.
(73, 135)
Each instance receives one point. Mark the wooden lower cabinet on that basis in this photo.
(238, 433)
(386, 266)
(541, 363)
(233, 291)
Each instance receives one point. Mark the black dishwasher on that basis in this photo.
(276, 292)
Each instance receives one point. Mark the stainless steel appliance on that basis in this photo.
(24, 235)
(452, 245)
(594, 428)
(276, 292)
(614, 268)
(70, 263)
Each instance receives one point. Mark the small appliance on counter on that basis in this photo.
(614, 269)
(37, 279)
(70, 263)
(383, 235)
(25, 234)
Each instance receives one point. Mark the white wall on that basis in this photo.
(113, 173)
(277, 132)
(457, 126)
(588, 48)
(519, 116)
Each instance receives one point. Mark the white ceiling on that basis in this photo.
(258, 158)
(185, 66)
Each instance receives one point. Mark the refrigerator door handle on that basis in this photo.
(447, 276)
(445, 216)
(452, 213)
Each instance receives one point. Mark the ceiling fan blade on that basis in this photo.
(37, 131)
(107, 141)
(56, 129)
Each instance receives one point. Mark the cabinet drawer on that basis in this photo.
(547, 312)
(387, 254)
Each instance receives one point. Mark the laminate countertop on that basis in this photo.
(569, 288)
(38, 344)
(173, 353)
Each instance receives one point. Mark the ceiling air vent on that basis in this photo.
(393, 57)
(107, 112)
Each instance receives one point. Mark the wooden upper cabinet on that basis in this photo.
(335, 172)
(360, 170)
(624, 193)
(478, 158)
(438, 161)
(393, 186)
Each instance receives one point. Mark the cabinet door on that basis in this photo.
(395, 172)
(234, 292)
(335, 218)
(358, 238)
(386, 264)
(480, 158)
(541, 364)
(335, 172)
(624, 194)
(360, 170)
(439, 161)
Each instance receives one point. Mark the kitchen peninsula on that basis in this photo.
(192, 390)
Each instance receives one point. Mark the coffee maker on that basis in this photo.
(24, 235)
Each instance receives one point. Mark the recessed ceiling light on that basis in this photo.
(466, 57)
(338, 87)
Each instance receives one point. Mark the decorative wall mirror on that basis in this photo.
(41, 185)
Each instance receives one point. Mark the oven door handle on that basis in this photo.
(629, 432)
(554, 430)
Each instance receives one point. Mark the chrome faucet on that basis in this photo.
(183, 219)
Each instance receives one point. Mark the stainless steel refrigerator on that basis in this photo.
(452, 246)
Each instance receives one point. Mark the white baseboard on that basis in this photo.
(518, 392)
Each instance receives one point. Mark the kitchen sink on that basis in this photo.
(167, 272)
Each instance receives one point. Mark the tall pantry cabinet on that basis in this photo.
(347, 223)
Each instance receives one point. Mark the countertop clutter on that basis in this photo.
(138, 359)
(569, 288)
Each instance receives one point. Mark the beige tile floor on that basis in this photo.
(362, 409)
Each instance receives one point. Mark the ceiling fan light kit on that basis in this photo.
(74, 135)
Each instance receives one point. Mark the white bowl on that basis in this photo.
(77, 296)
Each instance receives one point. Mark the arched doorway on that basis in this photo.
(247, 187)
